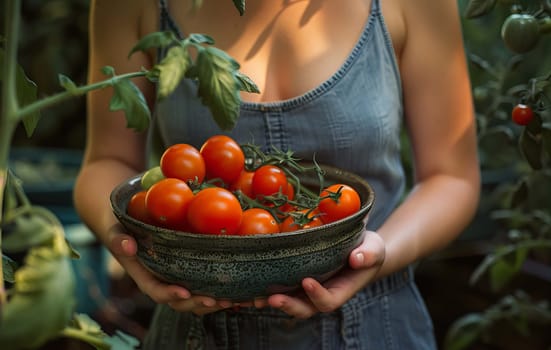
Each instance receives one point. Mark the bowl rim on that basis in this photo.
(135, 181)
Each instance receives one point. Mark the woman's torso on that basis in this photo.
(329, 82)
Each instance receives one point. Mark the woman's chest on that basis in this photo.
(287, 48)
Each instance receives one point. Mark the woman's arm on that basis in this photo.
(441, 125)
(114, 152)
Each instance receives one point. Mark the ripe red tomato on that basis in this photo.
(257, 221)
(307, 220)
(522, 114)
(333, 209)
(184, 162)
(244, 183)
(224, 158)
(167, 201)
(269, 180)
(215, 210)
(137, 209)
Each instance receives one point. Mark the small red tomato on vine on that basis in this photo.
(224, 158)
(257, 221)
(522, 114)
(338, 201)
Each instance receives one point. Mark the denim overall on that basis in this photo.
(352, 121)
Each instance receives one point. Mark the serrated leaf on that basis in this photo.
(171, 70)
(464, 332)
(67, 83)
(128, 98)
(478, 8)
(218, 86)
(27, 93)
(201, 39)
(154, 40)
(240, 6)
(246, 84)
(8, 268)
(531, 148)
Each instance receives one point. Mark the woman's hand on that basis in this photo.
(364, 261)
(124, 248)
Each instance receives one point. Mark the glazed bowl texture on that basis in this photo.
(241, 268)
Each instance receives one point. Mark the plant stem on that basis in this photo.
(9, 105)
(68, 94)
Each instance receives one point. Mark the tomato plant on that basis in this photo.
(522, 114)
(167, 202)
(337, 202)
(137, 208)
(269, 180)
(257, 221)
(224, 158)
(184, 162)
(215, 210)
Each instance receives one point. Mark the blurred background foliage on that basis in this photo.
(54, 41)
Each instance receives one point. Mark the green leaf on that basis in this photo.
(122, 341)
(154, 40)
(246, 84)
(42, 301)
(520, 194)
(201, 39)
(8, 267)
(464, 332)
(240, 6)
(219, 86)
(505, 268)
(531, 148)
(128, 98)
(27, 93)
(478, 8)
(172, 70)
(67, 83)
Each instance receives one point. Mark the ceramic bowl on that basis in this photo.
(241, 268)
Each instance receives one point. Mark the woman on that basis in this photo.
(338, 79)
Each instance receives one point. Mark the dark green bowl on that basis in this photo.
(241, 268)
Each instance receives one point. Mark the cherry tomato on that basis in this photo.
(269, 180)
(167, 202)
(304, 221)
(520, 32)
(184, 162)
(244, 183)
(522, 114)
(257, 221)
(224, 158)
(340, 201)
(151, 176)
(290, 193)
(137, 209)
(215, 210)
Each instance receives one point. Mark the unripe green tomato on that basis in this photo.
(151, 177)
(520, 32)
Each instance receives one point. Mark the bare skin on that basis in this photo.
(288, 47)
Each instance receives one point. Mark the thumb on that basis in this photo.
(122, 244)
(369, 253)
